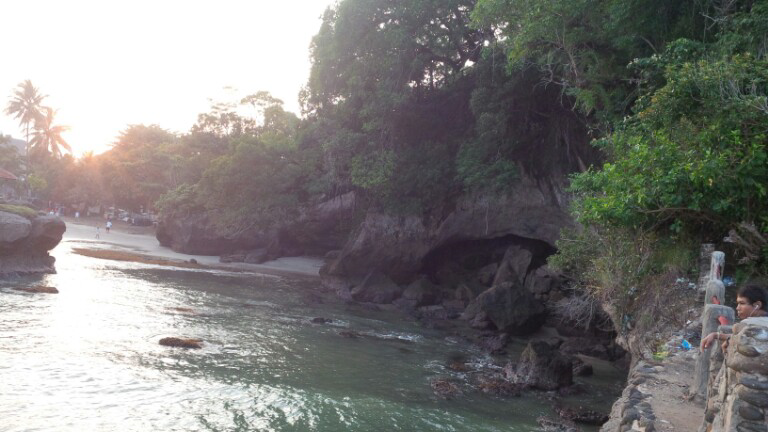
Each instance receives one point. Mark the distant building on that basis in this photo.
(7, 184)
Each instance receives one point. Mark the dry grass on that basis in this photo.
(134, 257)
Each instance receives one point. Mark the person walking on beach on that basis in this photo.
(109, 225)
(97, 232)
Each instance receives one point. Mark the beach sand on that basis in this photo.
(141, 242)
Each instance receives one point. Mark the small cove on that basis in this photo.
(88, 358)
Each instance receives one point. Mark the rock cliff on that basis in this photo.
(315, 230)
(24, 243)
(531, 211)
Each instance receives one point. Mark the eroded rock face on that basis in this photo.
(195, 234)
(316, 230)
(396, 245)
(24, 244)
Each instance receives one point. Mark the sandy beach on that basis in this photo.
(142, 241)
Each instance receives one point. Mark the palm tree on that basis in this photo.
(24, 105)
(47, 135)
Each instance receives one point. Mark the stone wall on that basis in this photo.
(739, 400)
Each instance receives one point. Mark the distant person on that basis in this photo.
(77, 214)
(751, 302)
(97, 232)
(109, 225)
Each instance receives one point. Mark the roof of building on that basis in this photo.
(7, 175)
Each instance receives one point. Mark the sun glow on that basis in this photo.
(105, 65)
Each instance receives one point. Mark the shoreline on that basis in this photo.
(140, 243)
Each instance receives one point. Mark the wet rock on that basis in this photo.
(552, 425)
(541, 366)
(437, 312)
(457, 366)
(493, 343)
(480, 321)
(349, 334)
(38, 289)
(453, 308)
(583, 415)
(498, 386)
(422, 292)
(181, 342)
(511, 308)
(580, 368)
(376, 288)
(444, 389)
(321, 320)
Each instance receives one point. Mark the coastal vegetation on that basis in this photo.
(658, 108)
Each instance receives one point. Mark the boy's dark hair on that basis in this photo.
(755, 293)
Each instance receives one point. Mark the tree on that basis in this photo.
(25, 106)
(47, 135)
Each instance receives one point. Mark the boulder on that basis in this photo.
(580, 368)
(177, 342)
(194, 233)
(486, 274)
(376, 288)
(38, 289)
(14, 227)
(256, 256)
(541, 366)
(592, 347)
(542, 280)
(24, 243)
(514, 266)
(444, 388)
(510, 307)
(422, 292)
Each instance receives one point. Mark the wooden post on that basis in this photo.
(709, 323)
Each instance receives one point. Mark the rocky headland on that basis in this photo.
(25, 242)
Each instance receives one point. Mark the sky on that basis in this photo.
(107, 64)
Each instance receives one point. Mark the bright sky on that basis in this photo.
(105, 64)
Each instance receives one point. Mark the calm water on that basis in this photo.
(88, 359)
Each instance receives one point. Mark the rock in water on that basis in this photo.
(444, 388)
(541, 366)
(38, 289)
(181, 342)
(24, 243)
